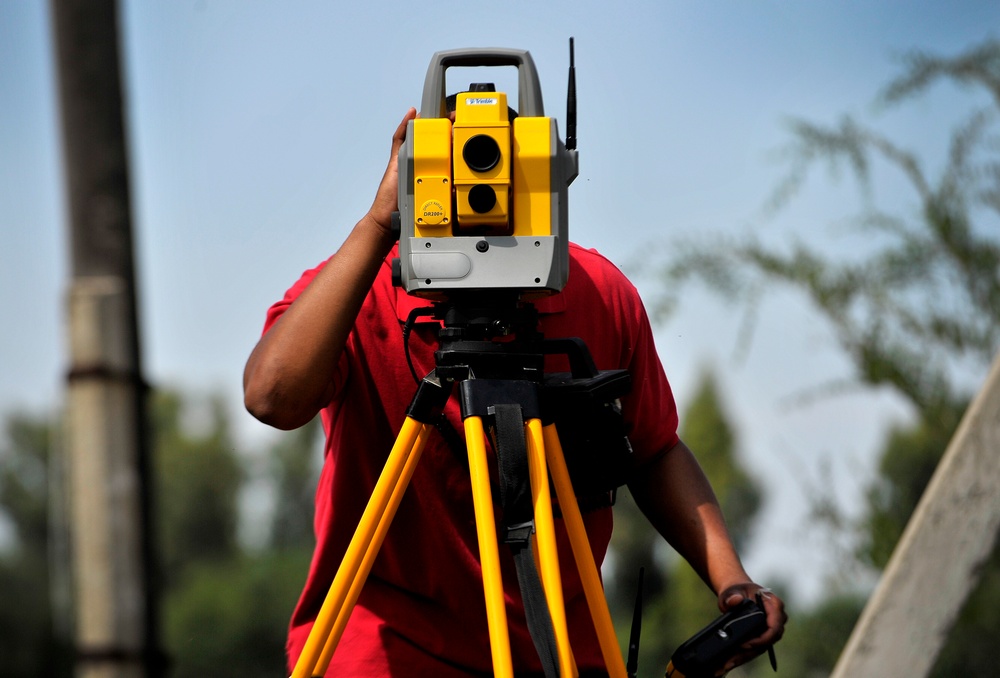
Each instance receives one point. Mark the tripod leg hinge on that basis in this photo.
(429, 400)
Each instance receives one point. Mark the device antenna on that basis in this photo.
(571, 102)
(632, 665)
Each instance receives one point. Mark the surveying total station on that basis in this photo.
(483, 231)
(483, 200)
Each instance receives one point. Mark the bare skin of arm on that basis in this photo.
(677, 499)
(288, 377)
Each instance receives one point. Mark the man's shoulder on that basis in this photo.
(587, 254)
(590, 263)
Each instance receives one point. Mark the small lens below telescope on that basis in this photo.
(482, 198)
(481, 153)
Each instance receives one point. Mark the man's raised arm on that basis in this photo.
(289, 375)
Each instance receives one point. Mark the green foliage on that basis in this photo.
(913, 308)
(28, 643)
(688, 604)
(230, 618)
(633, 545)
(971, 649)
(907, 464)
(294, 470)
(198, 479)
(908, 461)
(24, 480)
(924, 294)
(677, 603)
(707, 431)
(225, 612)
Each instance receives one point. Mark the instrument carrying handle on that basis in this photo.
(529, 92)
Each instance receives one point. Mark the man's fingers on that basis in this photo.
(741, 658)
(400, 135)
(733, 600)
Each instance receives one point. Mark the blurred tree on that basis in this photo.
(230, 618)
(199, 477)
(907, 462)
(678, 603)
(24, 480)
(634, 544)
(295, 472)
(916, 310)
(707, 431)
(969, 651)
(225, 611)
(924, 295)
(29, 645)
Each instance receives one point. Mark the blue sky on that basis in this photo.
(258, 132)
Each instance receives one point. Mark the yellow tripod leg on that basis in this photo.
(548, 554)
(366, 564)
(584, 557)
(489, 556)
(360, 543)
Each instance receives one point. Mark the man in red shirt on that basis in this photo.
(334, 345)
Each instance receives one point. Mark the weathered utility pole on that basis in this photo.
(106, 441)
(939, 558)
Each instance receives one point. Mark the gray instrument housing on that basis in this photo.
(435, 266)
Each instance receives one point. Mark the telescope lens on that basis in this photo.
(482, 198)
(481, 153)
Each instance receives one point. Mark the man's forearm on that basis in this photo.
(678, 500)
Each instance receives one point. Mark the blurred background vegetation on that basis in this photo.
(913, 314)
(226, 595)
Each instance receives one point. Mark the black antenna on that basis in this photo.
(632, 666)
(571, 102)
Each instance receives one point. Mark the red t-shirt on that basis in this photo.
(422, 610)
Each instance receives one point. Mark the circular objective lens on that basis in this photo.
(482, 198)
(481, 153)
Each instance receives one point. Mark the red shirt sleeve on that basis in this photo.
(279, 307)
(600, 305)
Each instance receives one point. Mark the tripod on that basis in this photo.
(503, 389)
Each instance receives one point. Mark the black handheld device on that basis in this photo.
(707, 651)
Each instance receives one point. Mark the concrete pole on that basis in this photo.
(110, 588)
(936, 564)
(106, 456)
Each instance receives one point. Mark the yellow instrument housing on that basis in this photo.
(432, 177)
(532, 178)
(482, 114)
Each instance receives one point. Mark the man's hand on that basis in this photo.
(774, 608)
(387, 197)
(290, 373)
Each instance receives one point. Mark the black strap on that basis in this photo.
(518, 523)
(536, 609)
(512, 464)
